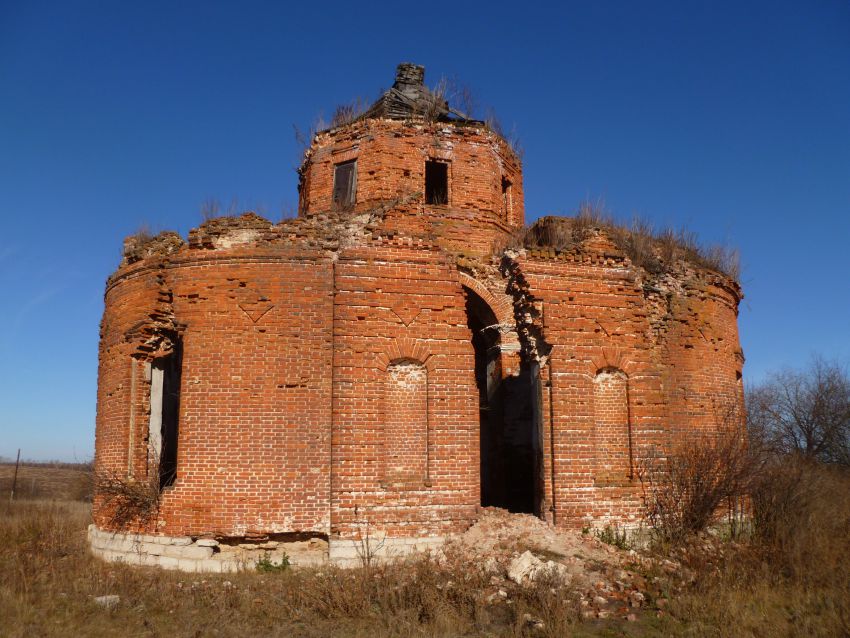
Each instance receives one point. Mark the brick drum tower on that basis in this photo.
(399, 355)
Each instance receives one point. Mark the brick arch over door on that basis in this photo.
(502, 308)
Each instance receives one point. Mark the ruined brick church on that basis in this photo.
(400, 355)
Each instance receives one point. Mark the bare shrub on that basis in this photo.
(434, 103)
(130, 501)
(790, 578)
(557, 236)
(683, 491)
(515, 240)
(459, 96)
(367, 544)
(801, 516)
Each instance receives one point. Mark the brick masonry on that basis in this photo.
(330, 387)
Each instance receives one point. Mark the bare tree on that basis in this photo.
(805, 412)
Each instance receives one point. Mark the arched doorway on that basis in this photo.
(508, 416)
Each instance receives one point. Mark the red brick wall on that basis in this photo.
(596, 314)
(396, 303)
(406, 424)
(254, 438)
(328, 374)
(391, 158)
(613, 431)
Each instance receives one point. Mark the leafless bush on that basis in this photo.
(684, 490)
(558, 236)
(303, 139)
(511, 137)
(130, 501)
(515, 240)
(459, 96)
(367, 544)
(434, 105)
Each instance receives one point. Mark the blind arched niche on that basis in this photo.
(612, 427)
(406, 424)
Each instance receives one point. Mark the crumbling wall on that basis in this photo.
(671, 339)
(337, 369)
(391, 158)
(401, 304)
(253, 310)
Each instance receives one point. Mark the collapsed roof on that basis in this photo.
(409, 97)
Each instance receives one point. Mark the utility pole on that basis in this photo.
(15, 479)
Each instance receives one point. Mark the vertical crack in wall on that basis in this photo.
(527, 311)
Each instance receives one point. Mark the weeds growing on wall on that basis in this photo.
(647, 247)
(346, 113)
(613, 535)
(267, 566)
(510, 136)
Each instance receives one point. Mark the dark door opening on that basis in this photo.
(170, 365)
(508, 416)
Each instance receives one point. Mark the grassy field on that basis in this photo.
(798, 586)
(63, 481)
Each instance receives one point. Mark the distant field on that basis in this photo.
(47, 481)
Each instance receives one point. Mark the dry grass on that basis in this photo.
(654, 250)
(63, 481)
(48, 582)
(793, 582)
(347, 113)
(793, 577)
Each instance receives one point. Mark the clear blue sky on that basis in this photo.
(732, 118)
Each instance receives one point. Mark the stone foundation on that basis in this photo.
(202, 554)
(353, 553)
(189, 554)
